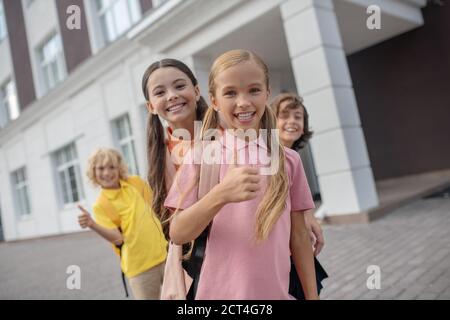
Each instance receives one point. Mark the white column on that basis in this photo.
(323, 79)
(200, 66)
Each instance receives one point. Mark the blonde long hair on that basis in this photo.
(274, 200)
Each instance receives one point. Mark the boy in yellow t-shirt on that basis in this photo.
(124, 217)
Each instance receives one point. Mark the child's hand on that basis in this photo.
(315, 230)
(84, 219)
(240, 184)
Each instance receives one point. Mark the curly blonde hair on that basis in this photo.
(103, 156)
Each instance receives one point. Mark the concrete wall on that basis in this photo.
(402, 88)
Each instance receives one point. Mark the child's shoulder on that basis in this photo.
(291, 155)
(133, 177)
(135, 180)
(293, 160)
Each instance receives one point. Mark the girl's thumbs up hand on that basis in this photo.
(241, 183)
(84, 219)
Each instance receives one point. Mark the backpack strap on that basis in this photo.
(209, 177)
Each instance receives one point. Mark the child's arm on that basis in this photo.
(112, 235)
(302, 255)
(315, 230)
(239, 184)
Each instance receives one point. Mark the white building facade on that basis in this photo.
(45, 145)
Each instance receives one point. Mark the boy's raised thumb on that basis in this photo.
(82, 209)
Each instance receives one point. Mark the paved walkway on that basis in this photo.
(411, 246)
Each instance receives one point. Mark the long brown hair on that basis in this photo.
(274, 200)
(156, 148)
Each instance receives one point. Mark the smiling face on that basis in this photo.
(241, 95)
(107, 175)
(173, 97)
(290, 122)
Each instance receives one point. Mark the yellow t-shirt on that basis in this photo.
(144, 243)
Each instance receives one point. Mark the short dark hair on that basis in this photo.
(295, 101)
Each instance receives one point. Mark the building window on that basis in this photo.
(3, 31)
(144, 116)
(116, 16)
(68, 174)
(123, 137)
(51, 62)
(20, 188)
(9, 105)
(157, 3)
(29, 2)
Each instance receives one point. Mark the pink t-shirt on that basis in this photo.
(235, 267)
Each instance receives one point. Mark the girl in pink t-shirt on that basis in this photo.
(256, 221)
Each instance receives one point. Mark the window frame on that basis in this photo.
(64, 159)
(158, 3)
(3, 26)
(45, 64)
(21, 193)
(5, 102)
(126, 141)
(28, 3)
(134, 14)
